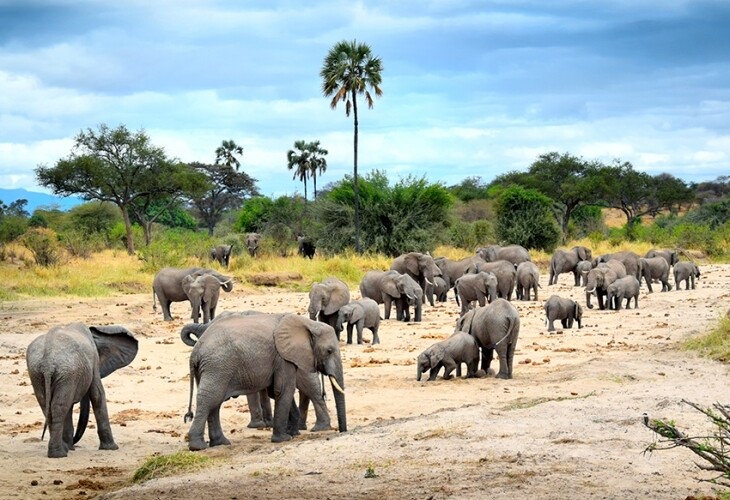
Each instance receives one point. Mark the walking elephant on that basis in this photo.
(241, 355)
(450, 354)
(326, 298)
(481, 287)
(599, 278)
(623, 288)
(363, 313)
(306, 247)
(167, 286)
(671, 256)
(222, 254)
(527, 277)
(504, 271)
(387, 287)
(655, 268)
(566, 261)
(686, 271)
(452, 270)
(66, 366)
(419, 266)
(563, 309)
(252, 243)
(494, 327)
(202, 291)
(512, 253)
(630, 260)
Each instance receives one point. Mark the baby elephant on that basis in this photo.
(623, 288)
(566, 310)
(363, 313)
(686, 271)
(449, 354)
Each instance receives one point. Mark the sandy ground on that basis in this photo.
(568, 425)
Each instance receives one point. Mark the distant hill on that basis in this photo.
(36, 200)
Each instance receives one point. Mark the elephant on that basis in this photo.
(252, 243)
(240, 355)
(565, 261)
(481, 287)
(363, 313)
(202, 291)
(459, 348)
(306, 247)
(504, 271)
(686, 271)
(564, 309)
(66, 366)
(671, 256)
(494, 327)
(512, 253)
(167, 286)
(404, 302)
(655, 268)
(527, 277)
(598, 279)
(583, 268)
(325, 300)
(222, 254)
(441, 288)
(259, 404)
(386, 287)
(452, 270)
(629, 259)
(624, 288)
(419, 266)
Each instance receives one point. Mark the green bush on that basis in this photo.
(43, 244)
(585, 220)
(175, 248)
(80, 244)
(524, 217)
(253, 215)
(118, 236)
(11, 227)
(94, 217)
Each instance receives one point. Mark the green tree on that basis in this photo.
(94, 217)
(349, 69)
(227, 152)
(524, 217)
(298, 161)
(317, 162)
(254, 214)
(15, 209)
(113, 165)
(471, 188)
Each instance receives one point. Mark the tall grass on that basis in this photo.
(715, 344)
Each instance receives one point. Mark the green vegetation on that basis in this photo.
(524, 218)
(171, 465)
(715, 344)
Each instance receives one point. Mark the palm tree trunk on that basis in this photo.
(314, 179)
(354, 175)
(305, 190)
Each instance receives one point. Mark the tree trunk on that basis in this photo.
(354, 175)
(314, 180)
(128, 227)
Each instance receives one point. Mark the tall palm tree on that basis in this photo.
(349, 69)
(317, 162)
(298, 161)
(226, 153)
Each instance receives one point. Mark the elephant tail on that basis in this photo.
(193, 329)
(47, 409)
(154, 301)
(189, 415)
(83, 418)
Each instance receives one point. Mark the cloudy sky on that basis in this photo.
(470, 88)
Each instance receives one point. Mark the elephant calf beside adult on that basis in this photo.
(326, 299)
(566, 261)
(599, 278)
(388, 287)
(527, 278)
(203, 292)
(360, 314)
(563, 309)
(686, 271)
(168, 286)
(623, 288)
(66, 366)
(480, 287)
(449, 354)
(421, 267)
(505, 272)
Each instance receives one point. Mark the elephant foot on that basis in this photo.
(220, 441)
(196, 444)
(258, 424)
(280, 438)
(108, 446)
(503, 376)
(57, 453)
(319, 427)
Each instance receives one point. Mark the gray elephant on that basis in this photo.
(252, 243)
(419, 266)
(452, 270)
(563, 309)
(481, 287)
(387, 287)
(583, 268)
(259, 404)
(202, 292)
(504, 271)
(598, 279)
(459, 348)
(326, 298)
(624, 288)
(66, 366)
(404, 303)
(167, 286)
(566, 261)
(441, 288)
(527, 277)
(241, 355)
(306, 247)
(363, 313)
(686, 271)
(655, 268)
(494, 327)
(222, 254)
(671, 256)
(630, 260)
(512, 253)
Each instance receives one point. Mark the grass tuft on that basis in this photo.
(171, 465)
(714, 344)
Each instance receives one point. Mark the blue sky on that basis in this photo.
(471, 88)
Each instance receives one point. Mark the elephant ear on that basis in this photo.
(390, 287)
(186, 282)
(464, 323)
(294, 341)
(357, 313)
(412, 265)
(116, 345)
(582, 253)
(437, 356)
(339, 295)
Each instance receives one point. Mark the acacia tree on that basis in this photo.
(349, 69)
(115, 165)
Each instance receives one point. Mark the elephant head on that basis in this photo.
(419, 266)
(327, 297)
(583, 253)
(349, 313)
(252, 243)
(313, 346)
(427, 360)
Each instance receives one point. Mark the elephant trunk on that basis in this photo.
(588, 299)
(196, 329)
(419, 372)
(83, 418)
(337, 380)
(227, 285)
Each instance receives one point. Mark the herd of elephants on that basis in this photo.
(269, 356)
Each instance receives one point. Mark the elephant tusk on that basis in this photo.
(225, 282)
(427, 281)
(591, 290)
(333, 380)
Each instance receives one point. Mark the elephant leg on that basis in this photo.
(504, 368)
(210, 396)
(601, 304)
(564, 322)
(418, 312)
(60, 412)
(458, 369)
(256, 402)
(359, 327)
(376, 339)
(98, 403)
(292, 425)
(487, 355)
(399, 309)
(165, 305)
(482, 299)
(387, 304)
(510, 358)
(551, 326)
(434, 372)
(68, 430)
(449, 366)
(303, 408)
(206, 314)
(349, 333)
(284, 387)
(215, 430)
(648, 283)
(311, 387)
